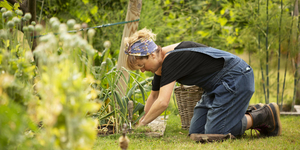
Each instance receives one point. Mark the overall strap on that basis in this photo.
(230, 60)
(195, 49)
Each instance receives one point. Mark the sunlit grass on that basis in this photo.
(176, 138)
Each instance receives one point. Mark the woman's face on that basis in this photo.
(151, 64)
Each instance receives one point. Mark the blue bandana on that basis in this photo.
(142, 47)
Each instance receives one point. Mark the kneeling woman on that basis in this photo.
(227, 80)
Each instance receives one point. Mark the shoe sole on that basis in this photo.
(276, 119)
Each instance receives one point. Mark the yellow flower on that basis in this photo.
(94, 94)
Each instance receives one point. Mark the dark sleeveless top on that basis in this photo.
(186, 66)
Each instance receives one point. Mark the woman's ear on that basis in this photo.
(153, 55)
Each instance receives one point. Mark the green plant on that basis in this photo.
(57, 94)
(64, 85)
(111, 98)
(16, 126)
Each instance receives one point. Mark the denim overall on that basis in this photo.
(226, 96)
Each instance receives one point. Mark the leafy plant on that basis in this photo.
(57, 94)
(118, 105)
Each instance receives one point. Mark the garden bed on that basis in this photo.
(154, 129)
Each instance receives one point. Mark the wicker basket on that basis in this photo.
(187, 97)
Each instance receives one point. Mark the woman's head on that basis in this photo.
(140, 46)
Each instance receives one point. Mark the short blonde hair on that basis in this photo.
(145, 34)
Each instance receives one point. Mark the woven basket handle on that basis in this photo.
(181, 86)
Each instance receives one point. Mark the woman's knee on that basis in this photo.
(194, 128)
(210, 130)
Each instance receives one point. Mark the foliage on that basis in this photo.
(99, 12)
(235, 26)
(56, 94)
(63, 87)
(70, 86)
(65, 97)
(16, 127)
(261, 38)
(111, 96)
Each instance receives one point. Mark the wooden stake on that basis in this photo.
(133, 13)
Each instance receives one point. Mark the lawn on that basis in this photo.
(176, 138)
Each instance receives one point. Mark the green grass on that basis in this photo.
(176, 138)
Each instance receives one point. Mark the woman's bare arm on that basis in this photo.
(160, 105)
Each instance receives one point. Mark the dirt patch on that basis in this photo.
(154, 129)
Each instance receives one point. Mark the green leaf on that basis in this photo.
(29, 69)
(141, 115)
(94, 10)
(109, 63)
(138, 107)
(88, 20)
(140, 84)
(120, 102)
(222, 11)
(6, 5)
(7, 43)
(230, 39)
(236, 31)
(172, 15)
(16, 6)
(85, 1)
(105, 54)
(203, 34)
(222, 21)
(107, 115)
(188, 18)
(142, 91)
(211, 13)
(130, 92)
(167, 2)
(102, 110)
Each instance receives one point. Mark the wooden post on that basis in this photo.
(296, 60)
(133, 13)
(32, 11)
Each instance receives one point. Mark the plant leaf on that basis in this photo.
(120, 102)
(107, 115)
(141, 115)
(138, 107)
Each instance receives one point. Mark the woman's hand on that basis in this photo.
(141, 122)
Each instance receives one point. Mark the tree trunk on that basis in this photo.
(297, 99)
(296, 60)
(32, 11)
(133, 13)
(297, 102)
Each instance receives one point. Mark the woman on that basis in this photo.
(227, 80)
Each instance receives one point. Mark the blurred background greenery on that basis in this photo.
(249, 28)
(262, 32)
